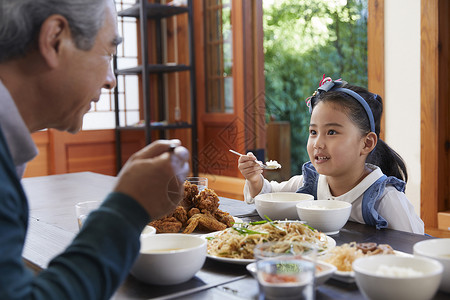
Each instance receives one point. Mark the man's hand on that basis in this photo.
(155, 175)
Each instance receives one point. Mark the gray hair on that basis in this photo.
(21, 20)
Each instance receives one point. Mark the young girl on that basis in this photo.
(348, 161)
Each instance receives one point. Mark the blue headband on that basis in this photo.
(336, 86)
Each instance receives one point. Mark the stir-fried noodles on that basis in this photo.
(240, 240)
(343, 256)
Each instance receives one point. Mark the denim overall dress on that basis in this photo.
(371, 196)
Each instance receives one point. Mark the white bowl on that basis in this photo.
(280, 206)
(328, 216)
(148, 230)
(438, 249)
(382, 287)
(169, 258)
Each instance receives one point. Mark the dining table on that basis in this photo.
(53, 225)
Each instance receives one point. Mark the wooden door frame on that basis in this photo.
(375, 52)
(434, 94)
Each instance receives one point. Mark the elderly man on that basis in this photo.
(54, 60)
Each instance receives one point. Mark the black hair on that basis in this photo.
(383, 156)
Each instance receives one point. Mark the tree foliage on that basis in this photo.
(304, 39)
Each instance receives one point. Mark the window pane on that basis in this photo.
(219, 57)
(101, 115)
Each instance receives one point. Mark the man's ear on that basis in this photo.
(370, 141)
(52, 35)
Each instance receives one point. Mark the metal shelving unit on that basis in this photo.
(155, 12)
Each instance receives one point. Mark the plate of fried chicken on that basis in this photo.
(198, 212)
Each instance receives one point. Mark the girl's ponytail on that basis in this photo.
(389, 161)
(383, 156)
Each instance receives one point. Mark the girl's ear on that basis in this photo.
(370, 141)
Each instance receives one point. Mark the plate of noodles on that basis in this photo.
(235, 244)
(344, 255)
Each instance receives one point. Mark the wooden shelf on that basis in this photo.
(157, 127)
(154, 68)
(154, 10)
(150, 15)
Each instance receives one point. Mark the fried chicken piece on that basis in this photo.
(180, 214)
(204, 221)
(167, 225)
(224, 217)
(207, 200)
(192, 223)
(190, 193)
(193, 211)
(209, 223)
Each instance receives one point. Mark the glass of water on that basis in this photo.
(83, 209)
(286, 270)
(200, 182)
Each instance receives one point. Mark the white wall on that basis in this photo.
(402, 87)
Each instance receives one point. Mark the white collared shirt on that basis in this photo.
(17, 135)
(393, 206)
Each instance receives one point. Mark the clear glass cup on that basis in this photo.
(286, 270)
(83, 209)
(200, 182)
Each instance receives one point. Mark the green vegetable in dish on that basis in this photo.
(243, 230)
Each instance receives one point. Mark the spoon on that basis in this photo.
(262, 165)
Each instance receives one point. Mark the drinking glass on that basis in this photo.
(286, 270)
(83, 209)
(200, 182)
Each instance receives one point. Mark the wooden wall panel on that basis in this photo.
(96, 157)
(132, 141)
(80, 152)
(39, 166)
(91, 150)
